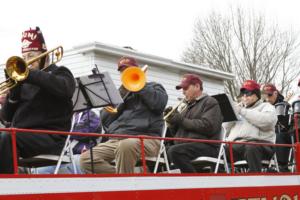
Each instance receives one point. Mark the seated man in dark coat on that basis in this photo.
(140, 114)
(202, 119)
(42, 101)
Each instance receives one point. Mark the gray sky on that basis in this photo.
(158, 27)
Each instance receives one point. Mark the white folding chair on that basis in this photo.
(162, 150)
(66, 155)
(242, 165)
(207, 161)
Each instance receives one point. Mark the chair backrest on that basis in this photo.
(222, 135)
(164, 130)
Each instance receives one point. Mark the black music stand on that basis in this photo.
(95, 91)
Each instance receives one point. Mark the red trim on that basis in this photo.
(142, 175)
(297, 158)
(17, 130)
(14, 150)
(231, 158)
(143, 156)
(296, 127)
(192, 194)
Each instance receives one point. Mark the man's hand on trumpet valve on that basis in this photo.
(238, 107)
(174, 118)
(167, 110)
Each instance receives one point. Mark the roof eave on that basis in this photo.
(151, 59)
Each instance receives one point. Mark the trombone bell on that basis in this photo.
(133, 79)
(16, 68)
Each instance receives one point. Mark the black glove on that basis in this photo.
(15, 93)
(174, 118)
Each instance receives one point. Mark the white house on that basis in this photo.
(82, 59)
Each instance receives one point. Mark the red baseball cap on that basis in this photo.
(250, 85)
(269, 88)
(33, 40)
(187, 80)
(127, 62)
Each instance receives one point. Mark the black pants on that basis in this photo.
(182, 154)
(28, 145)
(253, 154)
(283, 152)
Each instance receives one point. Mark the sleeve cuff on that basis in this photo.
(12, 101)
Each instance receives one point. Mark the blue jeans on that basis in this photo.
(64, 168)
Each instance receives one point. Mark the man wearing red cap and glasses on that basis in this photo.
(140, 114)
(42, 101)
(273, 96)
(201, 119)
(257, 124)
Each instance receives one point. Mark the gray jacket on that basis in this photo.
(256, 123)
(140, 114)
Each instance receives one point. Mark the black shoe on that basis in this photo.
(284, 169)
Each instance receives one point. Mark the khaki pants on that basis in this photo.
(125, 152)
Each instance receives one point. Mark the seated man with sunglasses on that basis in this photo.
(257, 124)
(273, 96)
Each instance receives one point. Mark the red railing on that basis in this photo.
(14, 131)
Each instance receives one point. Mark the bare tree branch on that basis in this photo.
(242, 43)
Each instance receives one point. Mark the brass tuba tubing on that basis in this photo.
(17, 68)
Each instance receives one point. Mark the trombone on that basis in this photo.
(133, 79)
(17, 68)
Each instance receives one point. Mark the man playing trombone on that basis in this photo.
(42, 101)
(140, 114)
(201, 119)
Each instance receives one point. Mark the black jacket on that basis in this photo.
(140, 114)
(282, 124)
(42, 101)
(200, 120)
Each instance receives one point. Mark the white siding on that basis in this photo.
(82, 64)
(81, 60)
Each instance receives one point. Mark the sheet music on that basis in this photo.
(226, 105)
(100, 92)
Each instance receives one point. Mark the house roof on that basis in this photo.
(98, 47)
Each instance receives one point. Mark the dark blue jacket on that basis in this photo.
(140, 114)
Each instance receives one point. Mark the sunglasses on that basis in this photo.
(247, 93)
(269, 95)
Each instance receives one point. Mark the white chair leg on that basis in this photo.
(62, 154)
(276, 162)
(219, 158)
(71, 155)
(158, 156)
(166, 160)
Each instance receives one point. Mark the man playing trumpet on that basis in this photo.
(42, 101)
(257, 124)
(201, 119)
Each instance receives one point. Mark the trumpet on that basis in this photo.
(17, 68)
(133, 79)
(182, 104)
